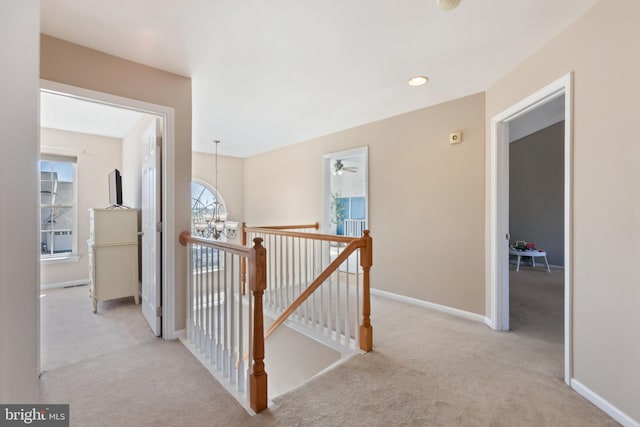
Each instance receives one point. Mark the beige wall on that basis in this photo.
(19, 187)
(426, 198)
(96, 157)
(75, 65)
(536, 191)
(601, 49)
(230, 180)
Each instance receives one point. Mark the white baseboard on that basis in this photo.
(489, 323)
(64, 284)
(180, 334)
(604, 405)
(431, 305)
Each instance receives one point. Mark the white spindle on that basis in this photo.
(280, 278)
(219, 312)
(241, 376)
(209, 303)
(190, 293)
(300, 310)
(225, 316)
(232, 332)
(347, 327)
(200, 321)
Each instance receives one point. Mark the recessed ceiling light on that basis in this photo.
(418, 80)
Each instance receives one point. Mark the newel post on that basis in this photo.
(366, 260)
(243, 262)
(258, 283)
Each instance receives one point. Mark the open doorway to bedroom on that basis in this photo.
(83, 141)
(503, 243)
(536, 229)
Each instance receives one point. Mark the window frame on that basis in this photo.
(213, 191)
(73, 254)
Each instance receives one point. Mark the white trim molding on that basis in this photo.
(497, 220)
(327, 158)
(59, 259)
(169, 237)
(431, 305)
(603, 404)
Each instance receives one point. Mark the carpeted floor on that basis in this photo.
(427, 368)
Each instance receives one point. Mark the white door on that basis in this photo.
(151, 227)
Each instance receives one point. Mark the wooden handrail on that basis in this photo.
(312, 236)
(186, 238)
(315, 226)
(358, 243)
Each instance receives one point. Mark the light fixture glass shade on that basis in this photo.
(448, 4)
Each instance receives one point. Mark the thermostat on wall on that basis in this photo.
(455, 138)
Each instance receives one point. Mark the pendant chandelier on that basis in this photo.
(213, 222)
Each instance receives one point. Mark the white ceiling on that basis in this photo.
(64, 113)
(542, 117)
(266, 74)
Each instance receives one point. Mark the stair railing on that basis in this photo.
(216, 325)
(319, 282)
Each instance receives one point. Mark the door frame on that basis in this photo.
(168, 189)
(498, 218)
(326, 179)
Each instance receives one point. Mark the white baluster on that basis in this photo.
(232, 331)
(241, 372)
(225, 352)
(190, 266)
(219, 312)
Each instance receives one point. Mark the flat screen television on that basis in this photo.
(115, 188)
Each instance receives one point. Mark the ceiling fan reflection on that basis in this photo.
(339, 168)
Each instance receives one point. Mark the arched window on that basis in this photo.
(203, 205)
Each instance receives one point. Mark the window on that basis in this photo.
(350, 213)
(57, 206)
(203, 203)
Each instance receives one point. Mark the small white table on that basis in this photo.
(530, 253)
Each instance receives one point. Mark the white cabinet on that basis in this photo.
(113, 254)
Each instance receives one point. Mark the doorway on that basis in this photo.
(536, 246)
(498, 201)
(165, 199)
(346, 192)
(345, 200)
